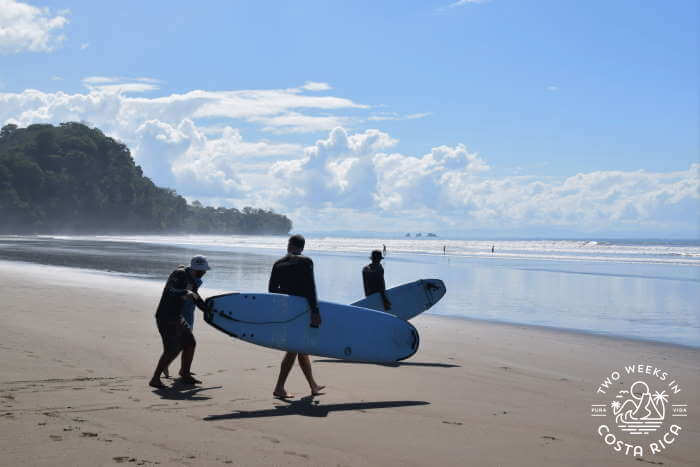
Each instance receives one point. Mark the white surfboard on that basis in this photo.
(407, 300)
(282, 322)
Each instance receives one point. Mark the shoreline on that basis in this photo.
(97, 273)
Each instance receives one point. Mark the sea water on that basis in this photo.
(640, 289)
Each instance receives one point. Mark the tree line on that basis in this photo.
(72, 178)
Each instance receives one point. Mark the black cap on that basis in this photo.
(376, 254)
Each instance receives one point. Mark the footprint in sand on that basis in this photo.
(292, 453)
(56, 437)
(224, 428)
(271, 439)
(88, 434)
(452, 423)
(641, 459)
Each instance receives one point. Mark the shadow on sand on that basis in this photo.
(393, 365)
(309, 408)
(183, 392)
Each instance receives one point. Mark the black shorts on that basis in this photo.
(175, 335)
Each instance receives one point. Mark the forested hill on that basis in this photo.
(71, 178)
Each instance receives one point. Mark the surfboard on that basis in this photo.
(282, 322)
(407, 300)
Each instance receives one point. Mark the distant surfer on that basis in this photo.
(373, 278)
(493, 248)
(293, 274)
(178, 301)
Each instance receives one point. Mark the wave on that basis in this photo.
(574, 250)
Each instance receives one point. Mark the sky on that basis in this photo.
(507, 118)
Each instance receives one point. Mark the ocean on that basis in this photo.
(642, 289)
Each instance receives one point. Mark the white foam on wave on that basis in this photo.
(582, 250)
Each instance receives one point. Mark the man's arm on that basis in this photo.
(311, 294)
(365, 280)
(382, 291)
(311, 285)
(274, 283)
(200, 302)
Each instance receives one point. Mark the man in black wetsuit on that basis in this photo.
(178, 296)
(373, 278)
(293, 274)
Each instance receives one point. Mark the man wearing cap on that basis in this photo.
(175, 308)
(293, 274)
(373, 278)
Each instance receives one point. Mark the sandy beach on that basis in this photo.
(78, 349)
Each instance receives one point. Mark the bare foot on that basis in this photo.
(317, 391)
(283, 394)
(157, 383)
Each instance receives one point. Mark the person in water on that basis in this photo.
(373, 278)
(177, 301)
(293, 274)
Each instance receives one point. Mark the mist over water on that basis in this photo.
(641, 289)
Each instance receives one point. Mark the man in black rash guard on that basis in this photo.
(373, 278)
(178, 294)
(293, 274)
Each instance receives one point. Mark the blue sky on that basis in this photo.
(516, 94)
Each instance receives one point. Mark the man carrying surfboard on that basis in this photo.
(293, 274)
(373, 278)
(179, 295)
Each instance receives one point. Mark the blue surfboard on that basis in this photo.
(407, 300)
(282, 322)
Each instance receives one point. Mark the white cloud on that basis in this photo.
(466, 2)
(25, 28)
(191, 142)
(395, 116)
(552, 88)
(120, 84)
(316, 86)
(84, 45)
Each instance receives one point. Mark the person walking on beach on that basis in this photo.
(493, 248)
(384, 250)
(177, 301)
(293, 274)
(373, 278)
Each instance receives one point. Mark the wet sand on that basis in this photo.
(78, 349)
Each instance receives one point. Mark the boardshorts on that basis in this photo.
(175, 335)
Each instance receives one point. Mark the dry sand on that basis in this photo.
(78, 348)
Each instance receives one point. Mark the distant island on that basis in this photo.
(72, 178)
(419, 234)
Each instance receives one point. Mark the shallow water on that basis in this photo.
(645, 298)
